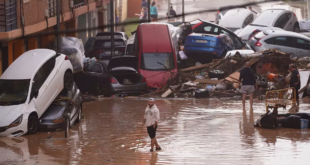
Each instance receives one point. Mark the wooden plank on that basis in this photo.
(208, 81)
(195, 67)
(233, 77)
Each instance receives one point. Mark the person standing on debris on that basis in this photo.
(153, 12)
(295, 81)
(151, 119)
(247, 78)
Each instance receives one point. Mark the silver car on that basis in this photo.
(298, 45)
(271, 19)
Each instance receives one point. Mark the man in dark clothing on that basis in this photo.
(173, 14)
(144, 3)
(247, 78)
(295, 81)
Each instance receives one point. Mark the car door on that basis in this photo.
(290, 23)
(282, 21)
(282, 43)
(302, 47)
(41, 82)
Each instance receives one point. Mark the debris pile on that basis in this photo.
(221, 77)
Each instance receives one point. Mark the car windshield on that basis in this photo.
(13, 92)
(155, 61)
(107, 44)
(267, 18)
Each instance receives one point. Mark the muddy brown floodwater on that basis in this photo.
(191, 132)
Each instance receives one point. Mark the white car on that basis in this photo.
(235, 19)
(271, 19)
(305, 25)
(27, 88)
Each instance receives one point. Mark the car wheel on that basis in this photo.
(68, 81)
(216, 74)
(296, 29)
(33, 124)
(79, 118)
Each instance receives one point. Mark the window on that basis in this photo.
(209, 28)
(303, 44)
(248, 20)
(157, 61)
(269, 41)
(97, 68)
(43, 74)
(8, 18)
(13, 92)
(236, 42)
(282, 41)
(282, 21)
(107, 43)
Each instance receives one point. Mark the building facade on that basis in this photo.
(21, 18)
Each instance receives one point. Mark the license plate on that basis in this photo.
(201, 41)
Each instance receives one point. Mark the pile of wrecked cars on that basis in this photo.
(38, 91)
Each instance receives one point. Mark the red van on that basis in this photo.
(157, 59)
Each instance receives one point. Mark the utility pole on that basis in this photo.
(112, 26)
(58, 27)
(183, 16)
(149, 11)
(308, 8)
(168, 9)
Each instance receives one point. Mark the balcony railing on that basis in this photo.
(51, 8)
(78, 3)
(8, 15)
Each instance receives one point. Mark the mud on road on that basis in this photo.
(191, 132)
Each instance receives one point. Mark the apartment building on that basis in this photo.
(21, 18)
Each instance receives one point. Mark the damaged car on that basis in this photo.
(27, 88)
(63, 112)
(119, 75)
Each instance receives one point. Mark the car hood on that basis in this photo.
(10, 113)
(53, 112)
(123, 61)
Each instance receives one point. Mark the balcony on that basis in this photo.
(78, 3)
(8, 19)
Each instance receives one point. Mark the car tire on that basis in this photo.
(33, 124)
(296, 29)
(79, 117)
(68, 81)
(219, 74)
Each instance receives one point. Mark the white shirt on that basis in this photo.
(151, 115)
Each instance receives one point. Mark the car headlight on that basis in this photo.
(16, 122)
(59, 120)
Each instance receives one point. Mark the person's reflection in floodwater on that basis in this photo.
(247, 129)
(153, 160)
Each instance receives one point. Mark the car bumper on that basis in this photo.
(201, 56)
(49, 126)
(134, 88)
(16, 131)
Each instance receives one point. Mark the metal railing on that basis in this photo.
(8, 15)
(78, 3)
(280, 98)
(52, 8)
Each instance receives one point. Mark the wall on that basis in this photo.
(124, 10)
(133, 7)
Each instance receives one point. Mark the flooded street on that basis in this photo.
(191, 132)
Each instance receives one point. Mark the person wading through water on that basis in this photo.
(295, 81)
(247, 78)
(151, 119)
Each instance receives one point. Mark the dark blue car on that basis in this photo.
(210, 41)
